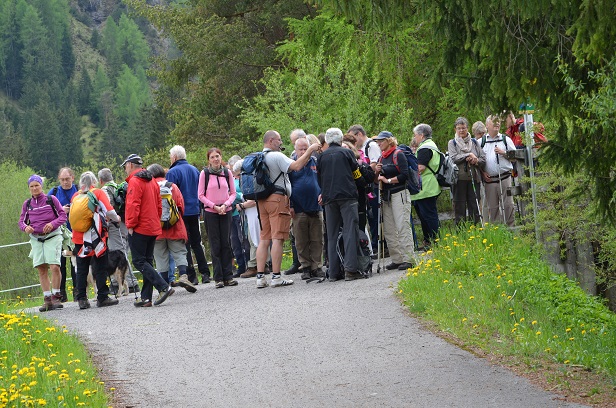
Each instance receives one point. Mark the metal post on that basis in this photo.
(528, 110)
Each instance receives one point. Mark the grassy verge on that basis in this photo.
(43, 365)
(488, 290)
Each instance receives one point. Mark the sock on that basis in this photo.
(276, 275)
(47, 293)
(260, 275)
(55, 291)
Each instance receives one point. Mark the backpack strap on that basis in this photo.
(441, 156)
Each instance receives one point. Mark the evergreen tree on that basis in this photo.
(43, 137)
(84, 93)
(132, 44)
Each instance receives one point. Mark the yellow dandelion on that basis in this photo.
(534, 322)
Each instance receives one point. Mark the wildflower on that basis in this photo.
(583, 331)
(568, 329)
(522, 319)
(464, 319)
(538, 333)
(472, 297)
(566, 361)
(534, 322)
(445, 281)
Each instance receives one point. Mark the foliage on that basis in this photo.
(487, 287)
(41, 364)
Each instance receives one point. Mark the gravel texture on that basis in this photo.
(340, 344)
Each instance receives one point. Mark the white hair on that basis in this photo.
(87, 181)
(333, 135)
(237, 167)
(178, 151)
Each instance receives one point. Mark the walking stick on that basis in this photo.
(475, 192)
(500, 186)
(380, 249)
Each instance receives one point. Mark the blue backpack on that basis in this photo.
(413, 182)
(255, 180)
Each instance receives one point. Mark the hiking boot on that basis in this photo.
(162, 296)
(278, 281)
(56, 300)
(262, 282)
(63, 296)
(231, 282)
(220, 284)
(107, 302)
(143, 303)
(317, 273)
(306, 274)
(250, 273)
(205, 278)
(47, 304)
(351, 276)
(405, 265)
(292, 270)
(83, 303)
(392, 266)
(185, 283)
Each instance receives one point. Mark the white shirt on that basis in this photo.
(497, 165)
(374, 153)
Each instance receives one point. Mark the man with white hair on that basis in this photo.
(338, 170)
(186, 177)
(274, 211)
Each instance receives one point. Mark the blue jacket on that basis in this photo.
(306, 188)
(64, 196)
(186, 177)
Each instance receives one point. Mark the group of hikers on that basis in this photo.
(332, 194)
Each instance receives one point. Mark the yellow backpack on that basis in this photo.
(82, 211)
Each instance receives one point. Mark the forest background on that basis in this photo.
(86, 82)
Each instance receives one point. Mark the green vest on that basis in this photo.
(429, 184)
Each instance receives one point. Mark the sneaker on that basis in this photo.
(231, 282)
(162, 296)
(143, 303)
(107, 302)
(220, 284)
(405, 265)
(205, 278)
(306, 274)
(278, 281)
(250, 273)
(318, 273)
(83, 303)
(392, 266)
(292, 270)
(262, 283)
(185, 283)
(56, 300)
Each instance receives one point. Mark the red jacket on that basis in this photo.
(143, 204)
(178, 231)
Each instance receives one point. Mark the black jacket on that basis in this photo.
(337, 171)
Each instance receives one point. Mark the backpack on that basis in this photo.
(255, 180)
(225, 174)
(29, 207)
(171, 214)
(118, 196)
(83, 207)
(364, 260)
(413, 182)
(447, 172)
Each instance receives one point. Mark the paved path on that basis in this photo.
(342, 344)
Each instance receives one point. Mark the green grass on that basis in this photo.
(487, 287)
(41, 364)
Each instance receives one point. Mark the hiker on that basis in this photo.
(64, 192)
(172, 241)
(424, 202)
(338, 171)
(143, 220)
(118, 233)
(186, 177)
(91, 240)
(217, 193)
(307, 215)
(363, 188)
(467, 154)
(239, 243)
(392, 170)
(295, 267)
(41, 217)
(497, 174)
(274, 211)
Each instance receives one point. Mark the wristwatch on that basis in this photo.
(388, 181)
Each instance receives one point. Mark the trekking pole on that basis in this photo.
(500, 186)
(125, 256)
(380, 248)
(476, 197)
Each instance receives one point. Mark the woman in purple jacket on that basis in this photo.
(41, 217)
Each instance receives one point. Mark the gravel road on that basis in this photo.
(342, 344)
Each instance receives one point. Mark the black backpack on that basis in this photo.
(413, 181)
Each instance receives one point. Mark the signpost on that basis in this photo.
(527, 109)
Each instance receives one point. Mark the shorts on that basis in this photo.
(275, 216)
(47, 252)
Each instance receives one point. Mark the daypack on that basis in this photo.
(225, 174)
(413, 181)
(255, 180)
(118, 196)
(447, 172)
(364, 260)
(83, 207)
(171, 213)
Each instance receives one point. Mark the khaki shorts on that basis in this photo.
(47, 252)
(275, 215)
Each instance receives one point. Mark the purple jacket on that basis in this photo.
(40, 213)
